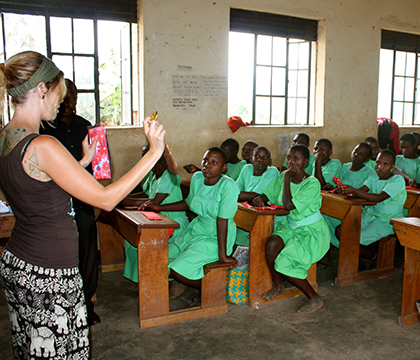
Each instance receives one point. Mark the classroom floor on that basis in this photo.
(358, 321)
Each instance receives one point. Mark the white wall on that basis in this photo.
(194, 33)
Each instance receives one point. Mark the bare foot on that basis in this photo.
(273, 293)
(325, 262)
(176, 289)
(312, 306)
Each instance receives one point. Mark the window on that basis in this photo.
(271, 68)
(100, 56)
(399, 78)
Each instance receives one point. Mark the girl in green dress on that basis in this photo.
(162, 187)
(211, 235)
(354, 174)
(325, 168)
(388, 191)
(303, 238)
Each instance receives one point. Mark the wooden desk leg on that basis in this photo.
(153, 273)
(348, 254)
(111, 248)
(411, 288)
(259, 274)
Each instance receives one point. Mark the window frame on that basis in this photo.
(117, 10)
(275, 25)
(407, 43)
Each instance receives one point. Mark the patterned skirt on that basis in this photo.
(46, 308)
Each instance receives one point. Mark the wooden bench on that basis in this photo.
(213, 286)
(260, 225)
(385, 260)
(151, 239)
(408, 232)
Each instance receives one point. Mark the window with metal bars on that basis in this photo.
(95, 45)
(399, 77)
(271, 68)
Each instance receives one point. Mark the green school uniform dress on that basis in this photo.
(371, 164)
(308, 168)
(233, 170)
(352, 178)
(168, 183)
(410, 166)
(189, 252)
(376, 219)
(329, 170)
(305, 233)
(248, 182)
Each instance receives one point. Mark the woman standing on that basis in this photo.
(39, 267)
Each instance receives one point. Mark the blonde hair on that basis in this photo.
(19, 69)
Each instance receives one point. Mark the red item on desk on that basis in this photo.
(151, 215)
(337, 180)
(101, 162)
(411, 188)
(269, 207)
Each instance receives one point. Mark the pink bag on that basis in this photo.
(101, 162)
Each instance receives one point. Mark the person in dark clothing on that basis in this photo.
(71, 129)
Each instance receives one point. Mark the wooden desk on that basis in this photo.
(7, 222)
(260, 224)
(349, 211)
(151, 239)
(408, 232)
(413, 203)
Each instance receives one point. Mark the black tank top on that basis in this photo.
(45, 232)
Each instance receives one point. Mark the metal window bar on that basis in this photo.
(286, 88)
(255, 81)
(6, 109)
(415, 89)
(308, 102)
(96, 72)
(393, 83)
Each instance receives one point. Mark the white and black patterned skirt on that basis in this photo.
(46, 308)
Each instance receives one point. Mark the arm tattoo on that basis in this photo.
(32, 166)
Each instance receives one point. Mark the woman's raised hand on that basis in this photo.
(88, 151)
(155, 135)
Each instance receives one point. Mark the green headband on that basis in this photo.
(46, 72)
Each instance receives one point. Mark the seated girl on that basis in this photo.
(302, 139)
(162, 187)
(248, 150)
(417, 136)
(388, 191)
(234, 164)
(252, 181)
(408, 163)
(354, 174)
(211, 235)
(303, 238)
(373, 142)
(325, 168)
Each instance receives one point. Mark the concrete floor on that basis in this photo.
(358, 321)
